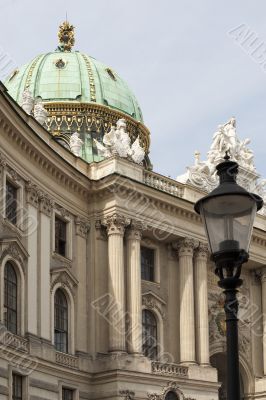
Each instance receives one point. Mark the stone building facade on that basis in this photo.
(107, 290)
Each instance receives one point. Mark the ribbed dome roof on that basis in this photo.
(74, 77)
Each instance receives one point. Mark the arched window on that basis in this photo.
(60, 321)
(11, 298)
(149, 334)
(171, 396)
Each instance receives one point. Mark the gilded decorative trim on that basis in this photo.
(87, 116)
(91, 78)
(29, 74)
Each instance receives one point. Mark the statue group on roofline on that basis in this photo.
(117, 142)
(203, 173)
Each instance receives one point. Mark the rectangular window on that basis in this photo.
(67, 394)
(17, 389)
(11, 202)
(60, 236)
(147, 264)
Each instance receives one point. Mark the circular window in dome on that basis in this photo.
(60, 63)
(171, 396)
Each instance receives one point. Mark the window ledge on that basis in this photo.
(156, 284)
(13, 227)
(59, 257)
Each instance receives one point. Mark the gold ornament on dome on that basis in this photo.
(66, 36)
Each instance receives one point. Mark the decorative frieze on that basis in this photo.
(171, 387)
(82, 227)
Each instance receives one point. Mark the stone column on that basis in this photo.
(201, 302)
(263, 302)
(44, 254)
(82, 229)
(186, 248)
(134, 301)
(116, 224)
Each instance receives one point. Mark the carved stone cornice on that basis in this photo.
(82, 227)
(186, 246)
(135, 230)
(46, 204)
(202, 251)
(116, 224)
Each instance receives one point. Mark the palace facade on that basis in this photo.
(107, 289)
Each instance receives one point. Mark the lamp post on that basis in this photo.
(228, 214)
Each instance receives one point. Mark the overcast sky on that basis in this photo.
(187, 71)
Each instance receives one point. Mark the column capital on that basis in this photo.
(186, 246)
(82, 227)
(261, 274)
(116, 224)
(46, 204)
(135, 229)
(202, 251)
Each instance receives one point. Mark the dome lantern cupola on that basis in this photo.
(80, 95)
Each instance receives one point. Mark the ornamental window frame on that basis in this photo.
(19, 200)
(147, 243)
(25, 382)
(66, 385)
(69, 239)
(71, 317)
(20, 293)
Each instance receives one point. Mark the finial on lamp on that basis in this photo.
(226, 157)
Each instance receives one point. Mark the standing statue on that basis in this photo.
(27, 103)
(40, 113)
(75, 143)
(231, 142)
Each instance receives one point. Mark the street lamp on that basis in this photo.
(228, 214)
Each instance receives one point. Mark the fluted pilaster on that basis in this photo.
(186, 248)
(116, 225)
(263, 301)
(134, 333)
(201, 302)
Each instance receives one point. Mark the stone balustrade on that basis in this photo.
(67, 360)
(8, 339)
(166, 369)
(164, 184)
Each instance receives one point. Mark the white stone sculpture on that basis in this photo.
(117, 143)
(203, 173)
(40, 113)
(138, 152)
(27, 103)
(75, 143)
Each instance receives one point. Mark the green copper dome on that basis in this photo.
(74, 77)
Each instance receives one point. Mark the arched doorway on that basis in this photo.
(218, 361)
